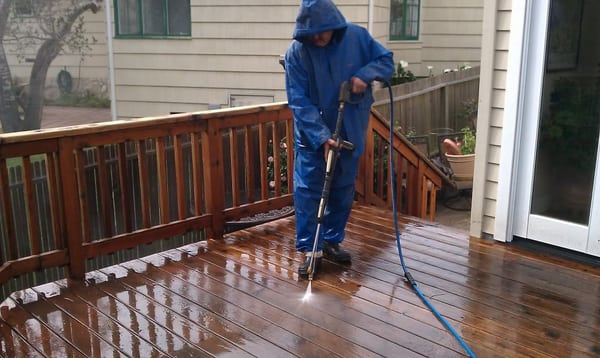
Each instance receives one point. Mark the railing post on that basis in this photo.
(366, 182)
(212, 152)
(72, 212)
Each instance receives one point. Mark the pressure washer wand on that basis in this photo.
(332, 155)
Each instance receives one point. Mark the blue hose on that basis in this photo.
(407, 274)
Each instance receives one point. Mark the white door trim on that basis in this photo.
(506, 197)
(529, 114)
(593, 247)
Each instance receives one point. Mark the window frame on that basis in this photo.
(404, 23)
(23, 8)
(140, 22)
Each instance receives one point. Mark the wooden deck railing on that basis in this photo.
(73, 194)
(416, 178)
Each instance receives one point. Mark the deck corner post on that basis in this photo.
(212, 157)
(72, 213)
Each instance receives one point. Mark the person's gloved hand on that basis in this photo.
(326, 145)
(358, 86)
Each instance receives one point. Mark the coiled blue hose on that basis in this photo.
(407, 274)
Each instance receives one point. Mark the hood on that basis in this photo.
(315, 16)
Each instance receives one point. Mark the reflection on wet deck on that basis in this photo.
(241, 297)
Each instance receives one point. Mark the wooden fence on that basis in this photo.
(78, 198)
(430, 104)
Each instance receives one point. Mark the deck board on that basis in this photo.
(241, 297)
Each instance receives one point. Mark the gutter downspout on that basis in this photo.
(111, 64)
(371, 15)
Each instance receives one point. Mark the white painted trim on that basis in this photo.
(488, 52)
(593, 246)
(533, 80)
(505, 203)
(371, 15)
(558, 233)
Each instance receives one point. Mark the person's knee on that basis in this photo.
(451, 147)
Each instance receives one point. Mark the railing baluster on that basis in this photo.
(54, 194)
(126, 200)
(197, 162)
(381, 177)
(289, 142)
(422, 180)
(400, 175)
(104, 193)
(262, 154)
(276, 159)
(432, 199)
(31, 206)
(179, 177)
(83, 194)
(7, 211)
(250, 166)
(233, 164)
(163, 196)
(144, 185)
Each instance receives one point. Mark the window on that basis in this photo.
(23, 7)
(140, 18)
(404, 19)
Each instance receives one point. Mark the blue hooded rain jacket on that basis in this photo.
(314, 76)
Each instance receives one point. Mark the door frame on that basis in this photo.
(524, 80)
(516, 78)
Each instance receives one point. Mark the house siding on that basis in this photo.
(450, 36)
(495, 47)
(234, 49)
(199, 73)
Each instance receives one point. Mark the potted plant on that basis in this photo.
(402, 75)
(461, 155)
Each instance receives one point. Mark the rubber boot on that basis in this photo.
(303, 269)
(333, 252)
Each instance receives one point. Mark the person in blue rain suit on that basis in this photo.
(325, 52)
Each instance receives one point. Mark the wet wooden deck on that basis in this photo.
(241, 297)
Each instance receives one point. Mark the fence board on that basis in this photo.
(429, 103)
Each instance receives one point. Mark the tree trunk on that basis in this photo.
(9, 108)
(37, 83)
(47, 52)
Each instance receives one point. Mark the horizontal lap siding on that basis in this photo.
(230, 38)
(234, 49)
(492, 101)
(450, 36)
(499, 89)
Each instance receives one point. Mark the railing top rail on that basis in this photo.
(407, 143)
(172, 119)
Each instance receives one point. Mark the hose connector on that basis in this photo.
(410, 279)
